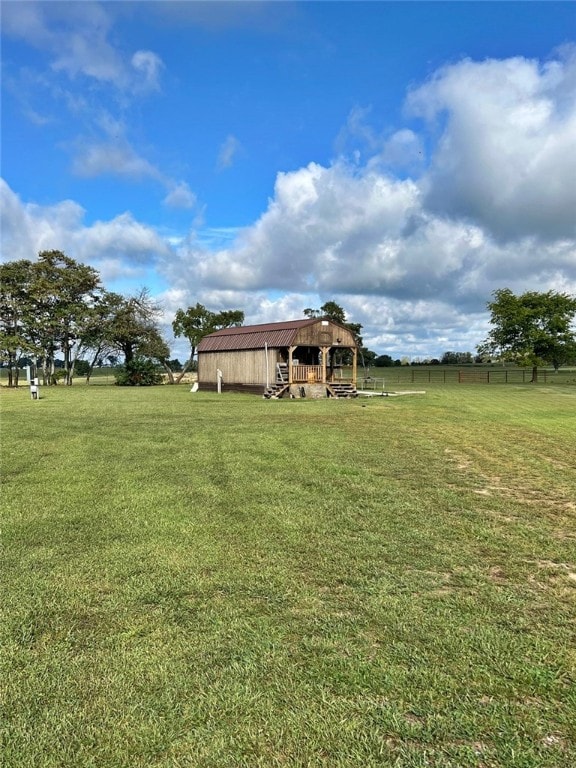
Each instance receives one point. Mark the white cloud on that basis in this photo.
(117, 158)
(341, 231)
(149, 65)
(119, 248)
(76, 37)
(403, 149)
(180, 196)
(506, 153)
(227, 153)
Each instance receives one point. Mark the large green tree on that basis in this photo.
(64, 292)
(532, 329)
(132, 324)
(15, 309)
(44, 307)
(196, 322)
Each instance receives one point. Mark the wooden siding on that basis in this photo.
(319, 335)
(243, 366)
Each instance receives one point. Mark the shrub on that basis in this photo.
(139, 372)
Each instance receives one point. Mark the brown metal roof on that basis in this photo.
(254, 336)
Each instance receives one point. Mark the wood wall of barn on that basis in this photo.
(246, 366)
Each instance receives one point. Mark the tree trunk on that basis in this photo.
(92, 364)
(534, 379)
(183, 371)
(168, 371)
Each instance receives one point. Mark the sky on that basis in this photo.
(404, 159)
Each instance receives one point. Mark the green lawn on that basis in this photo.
(201, 580)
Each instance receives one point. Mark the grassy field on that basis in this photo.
(201, 580)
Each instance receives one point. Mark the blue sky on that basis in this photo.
(403, 159)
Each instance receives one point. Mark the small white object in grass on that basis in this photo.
(194, 387)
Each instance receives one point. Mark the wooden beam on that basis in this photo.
(290, 353)
(325, 351)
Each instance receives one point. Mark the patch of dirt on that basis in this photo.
(492, 485)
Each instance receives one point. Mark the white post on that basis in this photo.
(219, 380)
(34, 390)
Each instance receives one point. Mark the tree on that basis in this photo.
(456, 358)
(132, 323)
(44, 308)
(64, 290)
(383, 361)
(97, 335)
(532, 329)
(197, 322)
(367, 356)
(15, 308)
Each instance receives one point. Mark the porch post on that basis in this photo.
(354, 366)
(324, 351)
(290, 353)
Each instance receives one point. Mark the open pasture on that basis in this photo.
(201, 580)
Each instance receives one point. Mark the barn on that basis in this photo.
(297, 358)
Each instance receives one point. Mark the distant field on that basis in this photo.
(387, 378)
(201, 580)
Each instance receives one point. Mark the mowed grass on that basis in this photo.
(203, 580)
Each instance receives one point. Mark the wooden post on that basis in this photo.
(290, 353)
(354, 366)
(325, 352)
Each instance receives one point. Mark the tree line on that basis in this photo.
(58, 306)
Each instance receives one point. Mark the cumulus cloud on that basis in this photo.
(119, 248)
(506, 150)
(495, 207)
(335, 230)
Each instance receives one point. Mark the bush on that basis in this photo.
(81, 368)
(139, 372)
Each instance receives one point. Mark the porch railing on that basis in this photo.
(304, 373)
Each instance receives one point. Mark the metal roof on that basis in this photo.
(254, 336)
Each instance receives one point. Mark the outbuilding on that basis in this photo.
(297, 358)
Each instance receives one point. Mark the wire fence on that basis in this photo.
(432, 375)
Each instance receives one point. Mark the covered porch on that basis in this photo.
(314, 365)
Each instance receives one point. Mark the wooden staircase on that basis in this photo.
(276, 391)
(341, 390)
(279, 389)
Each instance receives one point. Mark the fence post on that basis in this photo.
(34, 390)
